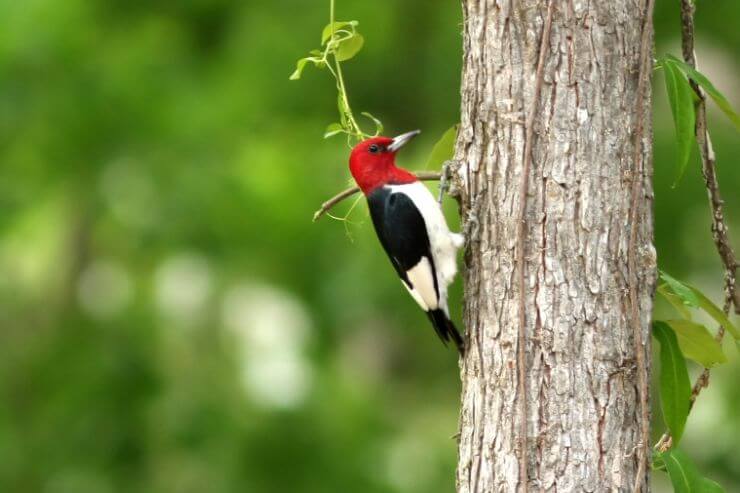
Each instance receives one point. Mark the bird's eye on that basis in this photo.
(373, 148)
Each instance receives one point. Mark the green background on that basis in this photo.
(170, 318)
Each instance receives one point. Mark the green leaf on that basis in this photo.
(443, 149)
(719, 98)
(682, 107)
(338, 25)
(709, 486)
(298, 69)
(674, 300)
(714, 311)
(682, 290)
(683, 473)
(658, 464)
(333, 129)
(301, 64)
(349, 47)
(378, 123)
(692, 296)
(697, 343)
(675, 389)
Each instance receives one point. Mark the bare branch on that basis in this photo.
(326, 206)
(720, 233)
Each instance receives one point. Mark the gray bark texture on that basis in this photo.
(581, 372)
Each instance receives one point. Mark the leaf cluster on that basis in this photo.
(340, 41)
(680, 339)
(682, 97)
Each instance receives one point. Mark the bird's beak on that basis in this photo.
(402, 140)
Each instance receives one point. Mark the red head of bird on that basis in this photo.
(373, 162)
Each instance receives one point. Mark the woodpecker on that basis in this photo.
(411, 228)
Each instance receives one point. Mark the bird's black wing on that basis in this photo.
(403, 234)
(402, 231)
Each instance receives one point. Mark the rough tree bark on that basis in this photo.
(576, 135)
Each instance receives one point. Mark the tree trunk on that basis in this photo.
(575, 136)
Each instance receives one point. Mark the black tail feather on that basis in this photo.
(445, 329)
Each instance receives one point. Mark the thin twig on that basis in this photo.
(326, 206)
(720, 233)
(520, 242)
(345, 114)
(637, 180)
(708, 160)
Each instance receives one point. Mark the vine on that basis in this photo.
(683, 338)
(341, 41)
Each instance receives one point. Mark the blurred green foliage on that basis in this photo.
(170, 318)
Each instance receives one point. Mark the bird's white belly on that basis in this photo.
(442, 242)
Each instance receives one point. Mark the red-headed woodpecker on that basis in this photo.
(411, 228)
